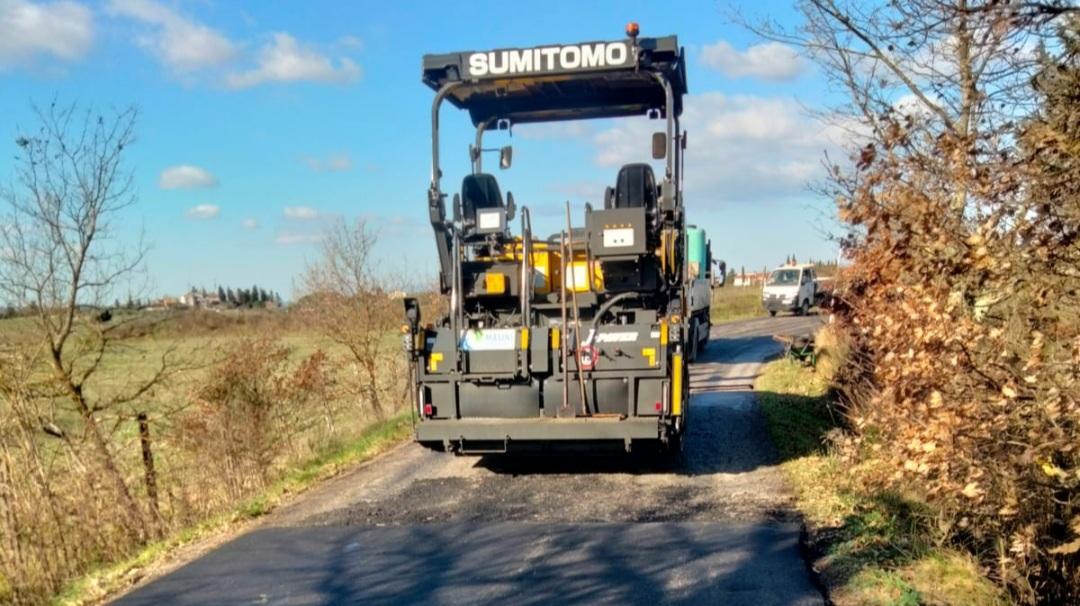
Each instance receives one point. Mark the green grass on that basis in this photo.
(736, 303)
(878, 547)
(108, 580)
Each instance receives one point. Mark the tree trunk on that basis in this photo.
(137, 525)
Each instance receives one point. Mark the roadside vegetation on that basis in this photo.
(125, 432)
(104, 581)
(869, 546)
(259, 408)
(960, 207)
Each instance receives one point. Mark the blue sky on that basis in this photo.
(259, 122)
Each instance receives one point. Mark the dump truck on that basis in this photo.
(700, 284)
(578, 339)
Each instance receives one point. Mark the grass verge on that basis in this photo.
(106, 581)
(870, 547)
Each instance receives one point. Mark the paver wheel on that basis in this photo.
(692, 342)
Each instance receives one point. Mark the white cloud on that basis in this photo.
(178, 41)
(284, 59)
(910, 105)
(300, 213)
(61, 30)
(186, 176)
(204, 211)
(249, 223)
(768, 61)
(339, 162)
(289, 238)
(740, 148)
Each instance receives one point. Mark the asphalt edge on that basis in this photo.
(811, 549)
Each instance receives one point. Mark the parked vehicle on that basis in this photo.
(790, 288)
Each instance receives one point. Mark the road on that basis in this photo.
(415, 526)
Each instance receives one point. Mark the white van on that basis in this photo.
(790, 288)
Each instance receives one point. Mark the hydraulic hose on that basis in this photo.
(606, 307)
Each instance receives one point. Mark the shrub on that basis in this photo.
(965, 326)
(249, 412)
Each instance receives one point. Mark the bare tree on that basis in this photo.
(959, 69)
(963, 243)
(351, 305)
(57, 255)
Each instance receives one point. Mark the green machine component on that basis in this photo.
(697, 252)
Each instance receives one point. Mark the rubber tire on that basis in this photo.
(692, 342)
(772, 313)
(804, 309)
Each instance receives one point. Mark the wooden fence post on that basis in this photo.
(149, 474)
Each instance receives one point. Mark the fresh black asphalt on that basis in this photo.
(698, 535)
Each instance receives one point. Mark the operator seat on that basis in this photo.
(479, 191)
(635, 187)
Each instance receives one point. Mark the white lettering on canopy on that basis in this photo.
(549, 59)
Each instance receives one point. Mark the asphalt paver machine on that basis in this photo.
(580, 339)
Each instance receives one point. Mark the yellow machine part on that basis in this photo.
(666, 252)
(577, 275)
(544, 261)
(676, 385)
(548, 268)
(494, 283)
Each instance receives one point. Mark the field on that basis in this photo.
(736, 303)
(246, 401)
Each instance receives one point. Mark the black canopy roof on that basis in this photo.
(561, 82)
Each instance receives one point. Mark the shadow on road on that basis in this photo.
(515, 563)
(725, 433)
(734, 350)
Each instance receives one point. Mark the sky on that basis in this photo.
(260, 123)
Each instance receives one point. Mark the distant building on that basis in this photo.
(197, 298)
(160, 304)
(750, 279)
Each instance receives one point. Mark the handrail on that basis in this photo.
(436, 172)
(526, 266)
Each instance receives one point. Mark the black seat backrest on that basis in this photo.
(635, 187)
(479, 191)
